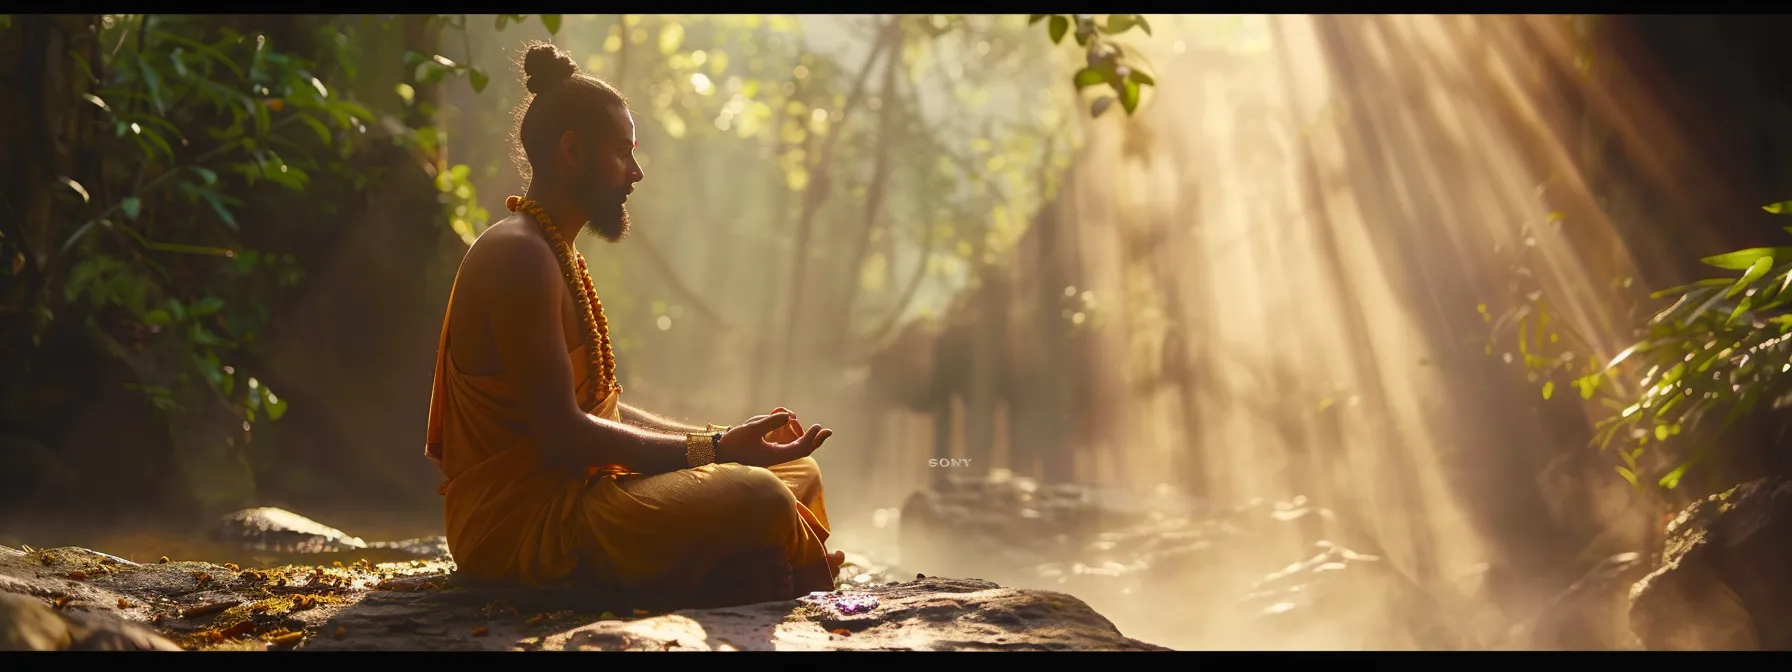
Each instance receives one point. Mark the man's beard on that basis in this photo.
(605, 215)
(608, 219)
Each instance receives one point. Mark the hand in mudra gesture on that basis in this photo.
(767, 440)
(791, 431)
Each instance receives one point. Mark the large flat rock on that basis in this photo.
(82, 599)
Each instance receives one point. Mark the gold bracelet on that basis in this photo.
(700, 449)
(717, 428)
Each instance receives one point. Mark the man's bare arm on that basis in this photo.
(520, 289)
(656, 423)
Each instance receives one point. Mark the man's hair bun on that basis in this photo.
(546, 66)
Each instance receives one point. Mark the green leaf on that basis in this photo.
(131, 206)
(1100, 105)
(1549, 389)
(1672, 479)
(1682, 289)
(1780, 208)
(206, 174)
(1118, 23)
(429, 72)
(152, 84)
(1057, 27)
(1742, 259)
(1036, 18)
(207, 306)
(1088, 77)
(551, 22)
(1140, 78)
(217, 202)
(1587, 385)
(275, 405)
(1142, 23)
(1638, 348)
(1129, 96)
(1735, 313)
(318, 127)
(1628, 475)
(1754, 272)
(158, 318)
(478, 78)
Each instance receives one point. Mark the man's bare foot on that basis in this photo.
(748, 578)
(835, 560)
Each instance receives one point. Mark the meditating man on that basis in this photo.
(551, 479)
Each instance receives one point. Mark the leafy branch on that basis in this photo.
(1107, 62)
(1709, 359)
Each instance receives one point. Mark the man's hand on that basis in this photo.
(750, 444)
(791, 431)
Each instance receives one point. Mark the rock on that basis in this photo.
(112, 603)
(860, 571)
(1592, 614)
(30, 624)
(1725, 578)
(926, 615)
(287, 535)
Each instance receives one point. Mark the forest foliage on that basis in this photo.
(217, 150)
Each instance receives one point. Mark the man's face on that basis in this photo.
(604, 182)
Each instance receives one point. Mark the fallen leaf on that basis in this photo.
(78, 575)
(209, 609)
(239, 629)
(480, 631)
(341, 631)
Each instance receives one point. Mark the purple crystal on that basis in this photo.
(846, 604)
(854, 604)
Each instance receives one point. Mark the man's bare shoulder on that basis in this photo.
(507, 253)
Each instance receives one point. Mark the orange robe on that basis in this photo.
(510, 519)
